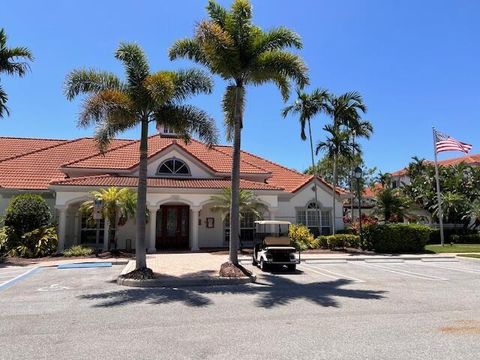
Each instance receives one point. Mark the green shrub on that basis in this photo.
(449, 233)
(339, 241)
(396, 238)
(466, 239)
(36, 243)
(3, 240)
(79, 250)
(301, 237)
(27, 212)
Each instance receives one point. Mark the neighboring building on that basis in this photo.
(181, 180)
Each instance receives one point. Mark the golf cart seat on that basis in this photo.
(276, 241)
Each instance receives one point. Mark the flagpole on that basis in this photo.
(437, 179)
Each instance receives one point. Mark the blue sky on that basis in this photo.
(415, 62)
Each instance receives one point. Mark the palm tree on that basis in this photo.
(473, 214)
(346, 110)
(336, 144)
(231, 46)
(248, 203)
(11, 63)
(116, 203)
(390, 204)
(307, 106)
(115, 106)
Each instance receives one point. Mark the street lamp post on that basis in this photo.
(358, 176)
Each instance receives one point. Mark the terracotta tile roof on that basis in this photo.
(131, 181)
(11, 147)
(282, 176)
(289, 179)
(126, 157)
(473, 159)
(35, 170)
(372, 192)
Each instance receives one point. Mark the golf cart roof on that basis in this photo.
(272, 222)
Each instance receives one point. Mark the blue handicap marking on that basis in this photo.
(84, 265)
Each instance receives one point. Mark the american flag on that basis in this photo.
(447, 143)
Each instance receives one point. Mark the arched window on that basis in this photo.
(316, 218)
(173, 167)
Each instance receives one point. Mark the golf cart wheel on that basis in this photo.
(263, 265)
(292, 267)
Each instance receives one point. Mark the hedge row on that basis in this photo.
(339, 241)
(466, 239)
(396, 238)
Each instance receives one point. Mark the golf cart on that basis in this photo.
(272, 247)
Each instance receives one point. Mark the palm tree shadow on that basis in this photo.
(275, 291)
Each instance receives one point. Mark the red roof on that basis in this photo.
(126, 157)
(473, 159)
(35, 170)
(11, 147)
(132, 181)
(33, 164)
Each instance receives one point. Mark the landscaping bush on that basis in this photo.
(301, 237)
(465, 239)
(339, 241)
(36, 243)
(79, 250)
(25, 213)
(395, 238)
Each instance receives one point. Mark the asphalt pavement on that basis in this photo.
(326, 310)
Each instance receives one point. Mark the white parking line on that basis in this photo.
(405, 272)
(336, 275)
(15, 279)
(468, 271)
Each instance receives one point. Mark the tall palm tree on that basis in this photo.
(115, 106)
(116, 203)
(308, 106)
(12, 62)
(231, 46)
(336, 144)
(346, 110)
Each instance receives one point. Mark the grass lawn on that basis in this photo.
(455, 248)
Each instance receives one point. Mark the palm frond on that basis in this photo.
(10, 57)
(278, 39)
(108, 105)
(217, 13)
(160, 86)
(187, 120)
(285, 64)
(88, 81)
(190, 49)
(191, 82)
(3, 100)
(135, 63)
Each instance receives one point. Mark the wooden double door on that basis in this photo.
(173, 227)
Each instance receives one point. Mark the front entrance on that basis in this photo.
(172, 227)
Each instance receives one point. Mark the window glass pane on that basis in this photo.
(301, 217)
(326, 218)
(312, 218)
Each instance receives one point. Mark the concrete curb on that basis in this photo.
(185, 282)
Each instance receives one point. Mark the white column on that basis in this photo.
(62, 228)
(76, 229)
(152, 230)
(194, 228)
(106, 233)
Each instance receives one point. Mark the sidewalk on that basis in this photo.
(183, 269)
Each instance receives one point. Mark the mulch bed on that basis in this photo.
(233, 271)
(140, 274)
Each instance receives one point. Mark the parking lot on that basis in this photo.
(373, 309)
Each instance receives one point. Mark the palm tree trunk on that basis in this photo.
(315, 178)
(140, 251)
(106, 234)
(351, 177)
(234, 204)
(333, 191)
